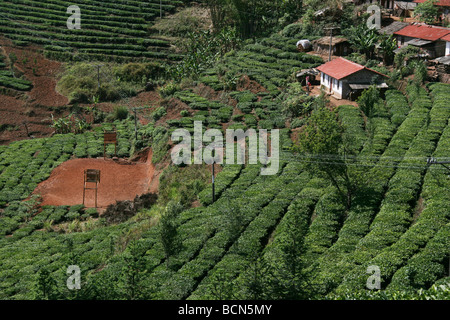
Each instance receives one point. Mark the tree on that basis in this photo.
(387, 46)
(134, 272)
(168, 230)
(363, 39)
(285, 276)
(254, 17)
(45, 288)
(420, 72)
(427, 11)
(368, 99)
(329, 152)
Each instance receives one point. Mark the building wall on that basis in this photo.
(363, 77)
(341, 88)
(447, 48)
(332, 85)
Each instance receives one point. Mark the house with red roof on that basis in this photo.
(429, 38)
(345, 79)
(443, 5)
(447, 44)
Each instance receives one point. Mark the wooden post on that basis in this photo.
(91, 176)
(109, 137)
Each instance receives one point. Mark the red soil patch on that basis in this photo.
(119, 181)
(31, 107)
(245, 83)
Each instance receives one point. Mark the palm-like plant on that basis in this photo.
(387, 46)
(363, 39)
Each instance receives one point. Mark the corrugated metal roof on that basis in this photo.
(443, 3)
(359, 86)
(424, 32)
(446, 38)
(418, 42)
(393, 27)
(444, 60)
(340, 68)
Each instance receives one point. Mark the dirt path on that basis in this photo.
(118, 181)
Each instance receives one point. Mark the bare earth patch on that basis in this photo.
(119, 181)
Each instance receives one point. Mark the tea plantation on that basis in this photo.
(282, 236)
(110, 30)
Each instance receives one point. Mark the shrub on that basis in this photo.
(185, 113)
(139, 72)
(169, 89)
(120, 113)
(159, 113)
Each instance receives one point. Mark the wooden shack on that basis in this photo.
(339, 46)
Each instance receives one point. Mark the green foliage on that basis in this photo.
(427, 11)
(159, 113)
(169, 89)
(368, 99)
(80, 84)
(120, 113)
(120, 35)
(202, 50)
(363, 39)
(72, 123)
(253, 18)
(139, 73)
(420, 72)
(387, 46)
(168, 230)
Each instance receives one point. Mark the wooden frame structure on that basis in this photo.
(109, 137)
(91, 176)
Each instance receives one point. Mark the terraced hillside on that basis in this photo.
(269, 61)
(399, 222)
(9, 80)
(249, 243)
(110, 30)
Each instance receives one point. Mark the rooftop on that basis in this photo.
(443, 3)
(340, 68)
(423, 31)
(393, 27)
(326, 40)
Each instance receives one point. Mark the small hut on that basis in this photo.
(339, 46)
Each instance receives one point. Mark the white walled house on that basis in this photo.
(428, 38)
(447, 44)
(345, 79)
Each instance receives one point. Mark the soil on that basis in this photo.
(245, 83)
(29, 113)
(120, 180)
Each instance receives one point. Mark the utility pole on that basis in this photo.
(331, 40)
(135, 110)
(213, 175)
(135, 124)
(213, 181)
(98, 73)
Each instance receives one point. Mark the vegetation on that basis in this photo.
(427, 11)
(111, 30)
(8, 78)
(353, 189)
